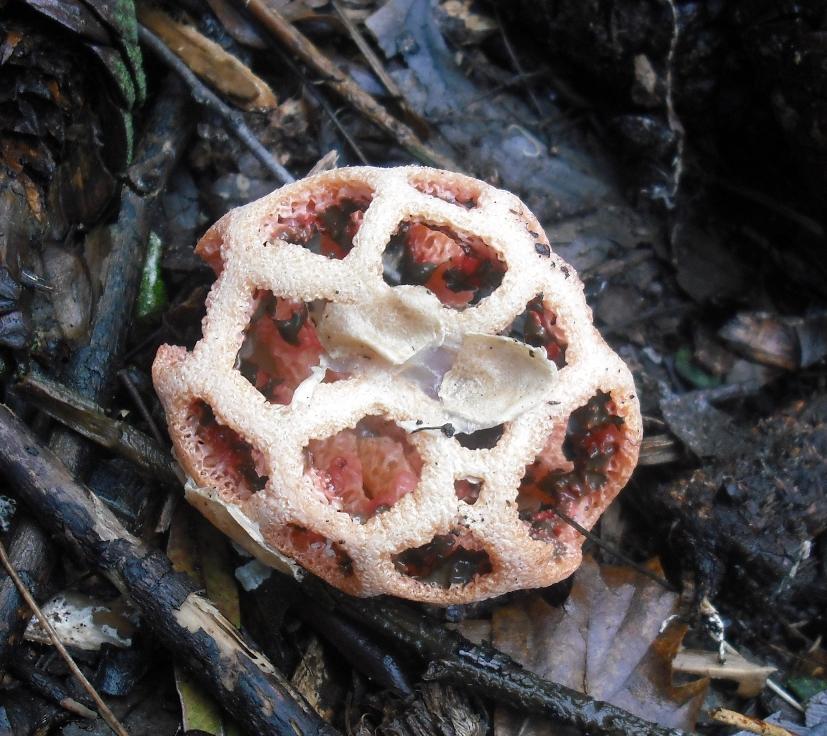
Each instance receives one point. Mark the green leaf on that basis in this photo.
(152, 296)
(199, 712)
(805, 687)
(687, 370)
(199, 550)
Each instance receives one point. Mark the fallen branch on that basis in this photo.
(91, 370)
(199, 637)
(356, 646)
(454, 660)
(103, 709)
(297, 43)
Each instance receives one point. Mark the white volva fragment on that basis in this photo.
(239, 527)
(82, 622)
(394, 326)
(495, 379)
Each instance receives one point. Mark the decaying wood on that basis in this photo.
(91, 370)
(357, 646)
(189, 625)
(454, 660)
(89, 419)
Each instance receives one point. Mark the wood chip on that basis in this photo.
(751, 678)
(218, 68)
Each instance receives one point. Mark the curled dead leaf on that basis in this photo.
(604, 641)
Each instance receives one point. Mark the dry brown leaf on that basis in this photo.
(605, 642)
(209, 61)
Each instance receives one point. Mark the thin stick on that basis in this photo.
(233, 119)
(611, 549)
(298, 44)
(90, 420)
(517, 66)
(103, 709)
(753, 725)
(324, 104)
(49, 687)
(371, 57)
(771, 684)
(454, 660)
(138, 400)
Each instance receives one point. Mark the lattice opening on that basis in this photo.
(482, 439)
(537, 326)
(448, 559)
(325, 222)
(462, 194)
(325, 551)
(234, 466)
(461, 269)
(593, 440)
(468, 490)
(366, 469)
(280, 348)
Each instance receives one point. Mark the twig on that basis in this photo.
(517, 66)
(328, 162)
(103, 709)
(324, 104)
(233, 119)
(89, 419)
(357, 647)
(771, 684)
(611, 549)
(91, 369)
(301, 46)
(753, 725)
(50, 688)
(455, 660)
(136, 397)
(232, 669)
(724, 393)
(373, 60)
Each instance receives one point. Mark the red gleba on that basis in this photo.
(398, 386)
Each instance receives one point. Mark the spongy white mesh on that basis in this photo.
(252, 260)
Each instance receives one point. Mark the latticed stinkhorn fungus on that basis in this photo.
(398, 384)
